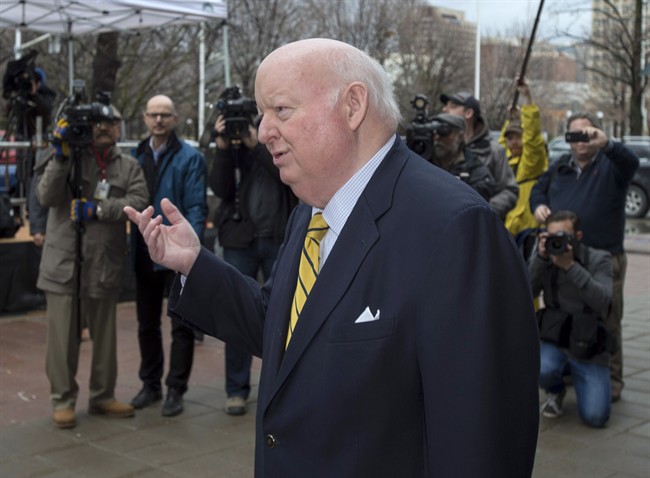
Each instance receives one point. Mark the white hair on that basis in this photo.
(351, 64)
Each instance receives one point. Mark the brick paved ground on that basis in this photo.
(205, 442)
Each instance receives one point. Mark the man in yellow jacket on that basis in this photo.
(522, 137)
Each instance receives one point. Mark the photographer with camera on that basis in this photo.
(592, 181)
(175, 170)
(28, 98)
(577, 285)
(477, 141)
(86, 183)
(449, 153)
(251, 219)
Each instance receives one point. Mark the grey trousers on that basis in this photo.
(63, 342)
(614, 319)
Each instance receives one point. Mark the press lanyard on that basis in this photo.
(101, 162)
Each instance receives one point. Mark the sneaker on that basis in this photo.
(112, 409)
(64, 418)
(235, 406)
(552, 406)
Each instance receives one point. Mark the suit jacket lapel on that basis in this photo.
(356, 240)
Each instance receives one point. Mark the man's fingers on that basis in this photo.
(132, 214)
(149, 226)
(171, 212)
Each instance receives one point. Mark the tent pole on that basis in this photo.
(70, 59)
(226, 57)
(201, 115)
(17, 47)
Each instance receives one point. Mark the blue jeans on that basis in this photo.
(261, 253)
(591, 383)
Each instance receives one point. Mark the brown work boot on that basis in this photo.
(64, 418)
(113, 409)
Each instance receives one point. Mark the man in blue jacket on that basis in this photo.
(592, 182)
(173, 169)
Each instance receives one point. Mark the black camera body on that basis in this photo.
(238, 112)
(558, 243)
(576, 137)
(419, 134)
(19, 76)
(18, 81)
(81, 117)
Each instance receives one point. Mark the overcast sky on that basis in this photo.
(501, 16)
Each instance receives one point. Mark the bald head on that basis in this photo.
(160, 118)
(327, 108)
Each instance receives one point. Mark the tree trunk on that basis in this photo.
(105, 64)
(636, 93)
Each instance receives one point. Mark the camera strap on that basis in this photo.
(550, 287)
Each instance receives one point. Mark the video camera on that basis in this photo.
(419, 134)
(81, 117)
(19, 78)
(557, 243)
(238, 111)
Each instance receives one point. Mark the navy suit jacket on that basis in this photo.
(444, 384)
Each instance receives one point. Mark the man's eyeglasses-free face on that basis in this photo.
(163, 116)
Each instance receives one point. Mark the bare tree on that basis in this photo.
(431, 58)
(617, 58)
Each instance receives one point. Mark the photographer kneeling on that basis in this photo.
(577, 285)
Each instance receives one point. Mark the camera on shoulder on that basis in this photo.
(419, 134)
(238, 112)
(19, 78)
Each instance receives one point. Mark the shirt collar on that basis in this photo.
(338, 209)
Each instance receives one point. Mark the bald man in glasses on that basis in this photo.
(173, 169)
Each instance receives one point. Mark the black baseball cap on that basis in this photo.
(463, 98)
(454, 121)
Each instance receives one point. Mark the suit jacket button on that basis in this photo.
(270, 441)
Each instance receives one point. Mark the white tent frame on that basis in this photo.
(72, 17)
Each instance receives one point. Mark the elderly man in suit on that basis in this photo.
(397, 329)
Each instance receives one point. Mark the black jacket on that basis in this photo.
(233, 220)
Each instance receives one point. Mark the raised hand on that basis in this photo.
(175, 246)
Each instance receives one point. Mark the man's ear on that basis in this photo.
(469, 114)
(579, 235)
(356, 104)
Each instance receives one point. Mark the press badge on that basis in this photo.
(103, 188)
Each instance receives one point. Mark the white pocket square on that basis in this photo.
(366, 316)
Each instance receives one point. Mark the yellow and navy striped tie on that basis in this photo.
(308, 270)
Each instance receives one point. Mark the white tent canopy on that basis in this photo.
(75, 17)
(72, 18)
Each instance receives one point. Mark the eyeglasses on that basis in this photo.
(163, 116)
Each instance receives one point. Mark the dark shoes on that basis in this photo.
(145, 397)
(173, 404)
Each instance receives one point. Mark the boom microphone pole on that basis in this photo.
(524, 65)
